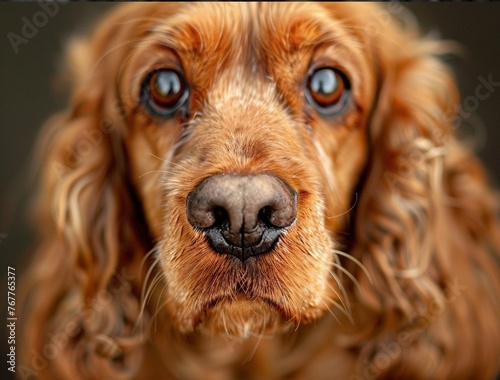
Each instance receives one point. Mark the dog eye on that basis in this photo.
(327, 90)
(164, 91)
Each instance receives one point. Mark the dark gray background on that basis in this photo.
(28, 98)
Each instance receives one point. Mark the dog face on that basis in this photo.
(276, 160)
(247, 90)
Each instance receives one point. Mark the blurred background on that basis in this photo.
(31, 59)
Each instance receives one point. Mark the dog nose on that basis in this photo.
(242, 215)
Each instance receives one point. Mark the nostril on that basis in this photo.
(265, 214)
(221, 216)
(281, 211)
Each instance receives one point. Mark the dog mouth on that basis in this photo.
(258, 296)
(241, 316)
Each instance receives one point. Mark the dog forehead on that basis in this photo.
(200, 29)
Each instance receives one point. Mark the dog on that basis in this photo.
(260, 191)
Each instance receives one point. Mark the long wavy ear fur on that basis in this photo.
(81, 290)
(426, 228)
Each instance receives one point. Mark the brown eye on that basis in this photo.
(326, 90)
(164, 92)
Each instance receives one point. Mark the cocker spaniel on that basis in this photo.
(261, 191)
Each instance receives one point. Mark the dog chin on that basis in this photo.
(242, 319)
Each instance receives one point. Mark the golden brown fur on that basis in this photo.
(404, 284)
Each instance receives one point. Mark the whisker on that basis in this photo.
(251, 354)
(356, 261)
(111, 50)
(155, 156)
(332, 313)
(160, 297)
(148, 274)
(159, 308)
(347, 307)
(152, 287)
(260, 336)
(342, 309)
(348, 274)
(298, 322)
(346, 212)
(224, 324)
(161, 171)
(146, 256)
(148, 289)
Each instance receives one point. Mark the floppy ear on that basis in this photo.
(426, 227)
(83, 282)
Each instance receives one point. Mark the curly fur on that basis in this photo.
(404, 284)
